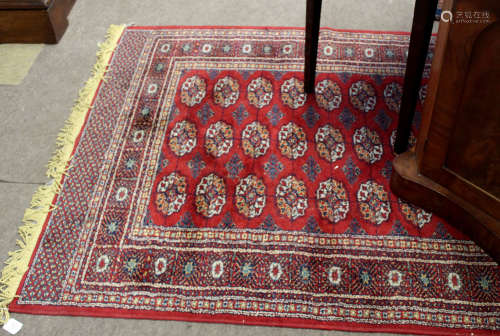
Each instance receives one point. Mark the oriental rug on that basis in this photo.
(196, 181)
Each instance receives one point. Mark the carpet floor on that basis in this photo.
(205, 185)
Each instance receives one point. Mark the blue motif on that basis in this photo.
(305, 273)
(365, 277)
(310, 116)
(227, 222)
(355, 228)
(131, 265)
(204, 114)
(247, 270)
(383, 120)
(275, 115)
(398, 229)
(196, 164)
(387, 170)
(269, 224)
(311, 168)
(234, 166)
(188, 268)
(312, 225)
(351, 171)
(186, 221)
(347, 118)
(273, 167)
(240, 114)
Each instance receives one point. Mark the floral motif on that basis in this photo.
(260, 92)
(292, 93)
(217, 269)
(454, 281)
(373, 202)
(335, 275)
(367, 145)
(226, 91)
(250, 196)
(160, 266)
(193, 90)
(219, 139)
(363, 96)
(292, 141)
(182, 138)
(332, 200)
(329, 143)
(275, 271)
(414, 214)
(171, 194)
(395, 278)
(102, 263)
(328, 95)
(392, 96)
(255, 139)
(291, 197)
(210, 195)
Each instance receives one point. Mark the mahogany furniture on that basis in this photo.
(455, 169)
(33, 21)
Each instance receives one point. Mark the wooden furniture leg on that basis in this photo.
(313, 16)
(421, 31)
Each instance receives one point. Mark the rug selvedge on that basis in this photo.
(207, 182)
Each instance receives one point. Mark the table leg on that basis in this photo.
(313, 15)
(421, 31)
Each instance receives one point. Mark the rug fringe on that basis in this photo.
(41, 204)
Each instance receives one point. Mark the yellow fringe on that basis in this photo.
(34, 217)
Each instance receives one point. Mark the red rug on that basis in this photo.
(206, 186)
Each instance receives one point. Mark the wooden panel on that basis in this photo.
(23, 4)
(460, 43)
(26, 26)
(454, 171)
(474, 150)
(35, 25)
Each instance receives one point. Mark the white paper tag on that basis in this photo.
(12, 326)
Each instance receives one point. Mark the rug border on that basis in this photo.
(33, 228)
(42, 203)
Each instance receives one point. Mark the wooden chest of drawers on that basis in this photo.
(33, 21)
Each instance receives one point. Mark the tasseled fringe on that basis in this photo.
(41, 203)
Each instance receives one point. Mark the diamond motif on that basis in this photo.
(351, 171)
(269, 224)
(275, 115)
(240, 114)
(310, 116)
(196, 164)
(204, 114)
(347, 118)
(312, 226)
(227, 222)
(186, 221)
(387, 170)
(273, 167)
(234, 166)
(383, 120)
(311, 168)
